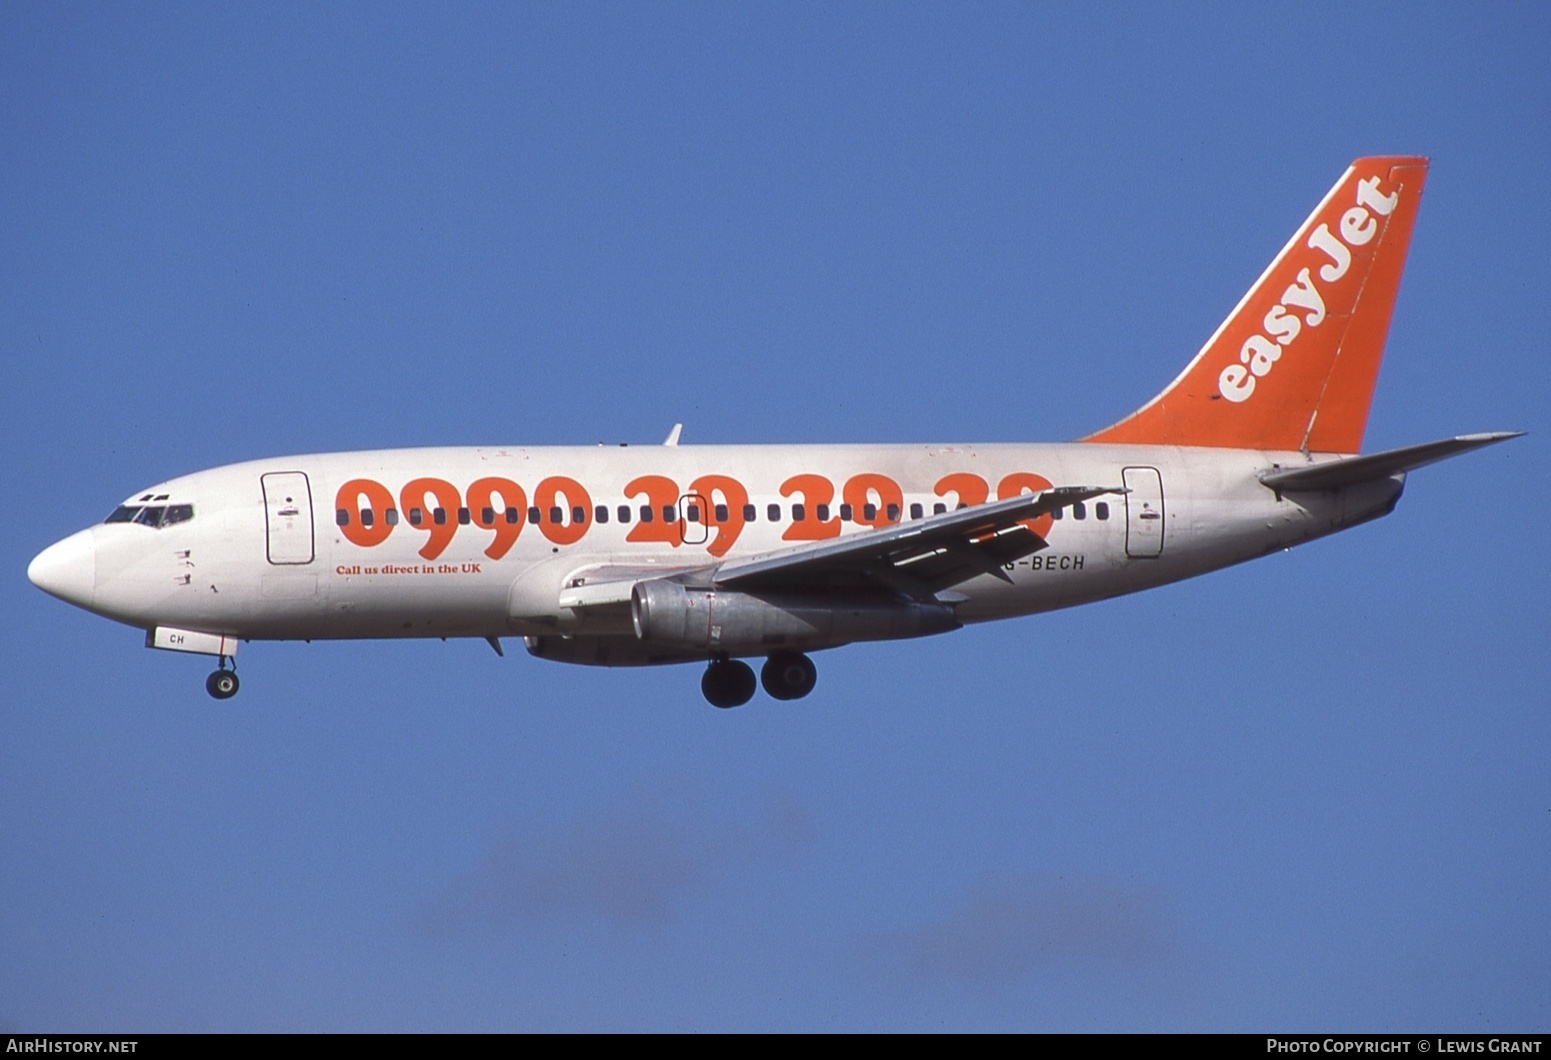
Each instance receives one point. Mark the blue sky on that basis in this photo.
(1309, 793)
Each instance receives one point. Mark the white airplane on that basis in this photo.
(668, 554)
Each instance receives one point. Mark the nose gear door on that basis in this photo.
(288, 515)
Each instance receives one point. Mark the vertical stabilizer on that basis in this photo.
(1294, 365)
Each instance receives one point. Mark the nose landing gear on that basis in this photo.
(785, 675)
(223, 683)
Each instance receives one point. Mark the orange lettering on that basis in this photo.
(482, 502)
(440, 521)
(815, 490)
(970, 489)
(557, 491)
(734, 497)
(1021, 482)
(661, 493)
(860, 491)
(378, 501)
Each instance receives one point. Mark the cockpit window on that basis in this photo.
(155, 516)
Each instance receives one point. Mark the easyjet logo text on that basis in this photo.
(1303, 302)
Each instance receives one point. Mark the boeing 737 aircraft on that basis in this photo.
(669, 554)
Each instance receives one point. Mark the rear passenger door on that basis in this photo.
(1144, 512)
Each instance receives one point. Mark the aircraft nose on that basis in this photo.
(67, 569)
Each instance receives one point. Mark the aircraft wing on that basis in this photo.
(919, 557)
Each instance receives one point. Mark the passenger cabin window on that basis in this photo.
(749, 513)
(463, 517)
(578, 515)
(534, 515)
(601, 514)
(916, 511)
(624, 513)
(1079, 510)
(799, 513)
(391, 517)
(773, 512)
(557, 515)
(1059, 513)
(416, 517)
(670, 513)
(892, 511)
(341, 516)
(721, 513)
(821, 511)
(646, 513)
(1101, 510)
(845, 513)
(486, 516)
(366, 517)
(439, 516)
(939, 508)
(869, 512)
(513, 516)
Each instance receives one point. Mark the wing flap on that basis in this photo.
(918, 558)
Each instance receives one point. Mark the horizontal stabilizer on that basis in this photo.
(1352, 470)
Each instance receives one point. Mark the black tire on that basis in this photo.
(222, 684)
(728, 683)
(788, 675)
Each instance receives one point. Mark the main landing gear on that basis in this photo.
(223, 683)
(788, 675)
(730, 682)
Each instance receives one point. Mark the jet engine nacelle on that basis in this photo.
(589, 650)
(719, 620)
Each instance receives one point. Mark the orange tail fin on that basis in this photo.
(1293, 366)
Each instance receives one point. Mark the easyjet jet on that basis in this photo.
(716, 554)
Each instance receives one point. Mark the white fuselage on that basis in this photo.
(635, 556)
(267, 553)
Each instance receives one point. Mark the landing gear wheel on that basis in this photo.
(788, 675)
(728, 683)
(222, 684)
